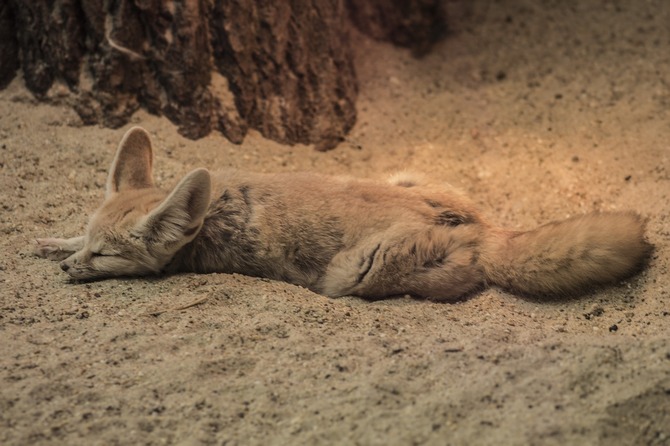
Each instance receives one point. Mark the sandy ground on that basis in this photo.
(539, 112)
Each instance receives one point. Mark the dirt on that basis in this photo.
(539, 110)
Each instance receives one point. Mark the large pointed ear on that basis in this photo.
(179, 217)
(131, 168)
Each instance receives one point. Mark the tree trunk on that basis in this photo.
(290, 67)
(283, 68)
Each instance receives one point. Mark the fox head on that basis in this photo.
(139, 228)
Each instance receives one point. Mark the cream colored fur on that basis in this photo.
(337, 236)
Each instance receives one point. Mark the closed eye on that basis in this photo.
(103, 254)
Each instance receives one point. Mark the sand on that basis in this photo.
(538, 110)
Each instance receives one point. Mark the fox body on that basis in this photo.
(335, 235)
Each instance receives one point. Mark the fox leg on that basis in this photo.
(58, 248)
(434, 263)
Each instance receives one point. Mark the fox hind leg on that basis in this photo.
(436, 264)
(58, 249)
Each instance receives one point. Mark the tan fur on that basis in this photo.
(335, 235)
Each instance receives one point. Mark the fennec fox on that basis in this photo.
(336, 236)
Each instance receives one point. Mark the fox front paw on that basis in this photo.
(56, 249)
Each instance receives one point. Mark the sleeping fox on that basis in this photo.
(335, 235)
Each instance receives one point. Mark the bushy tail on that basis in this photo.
(570, 256)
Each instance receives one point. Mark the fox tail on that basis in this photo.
(570, 256)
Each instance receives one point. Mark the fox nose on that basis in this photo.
(64, 266)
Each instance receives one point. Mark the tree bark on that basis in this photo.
(284, 68)
(290, 66)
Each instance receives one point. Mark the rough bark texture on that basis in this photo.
(290, 67)
(415, 24)
(283, 68)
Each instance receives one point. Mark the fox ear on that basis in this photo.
(131, 168)
(179, 217)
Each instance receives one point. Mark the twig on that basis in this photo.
(179, 308)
